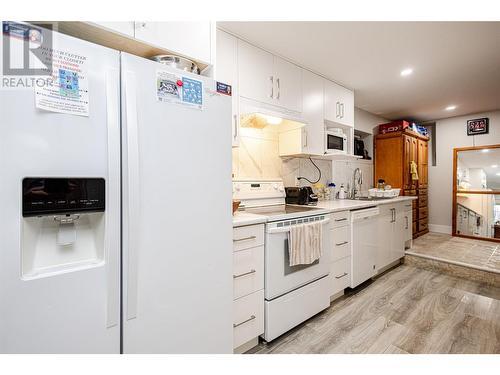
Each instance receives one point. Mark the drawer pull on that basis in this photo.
(244, 274)
(341, 276)
(408, 205)
(245, 321)
(245, 239)
(343, 219)
(341, 243)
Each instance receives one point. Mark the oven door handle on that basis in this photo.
(287, 229)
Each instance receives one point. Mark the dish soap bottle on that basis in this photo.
(342, 192)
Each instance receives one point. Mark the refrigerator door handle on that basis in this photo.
(132, 193)
(113, 214)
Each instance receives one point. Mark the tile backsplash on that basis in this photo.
(257, 157)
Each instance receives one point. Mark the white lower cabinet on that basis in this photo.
(248, 271)
(248, 322)
(392, 233)
(340, 266)
(340, 275)
(248, 284)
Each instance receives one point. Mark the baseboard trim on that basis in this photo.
(446, 229)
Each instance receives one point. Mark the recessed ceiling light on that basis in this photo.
(485, 150)
(451, 107)
(406, 72)
(494, 166)
(498, 174)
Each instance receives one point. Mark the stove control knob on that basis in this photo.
(236, 187)
(275, 186)
(282, 189)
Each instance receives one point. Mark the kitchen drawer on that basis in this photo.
(248, 271)
(407, 206)
(422, 225)
(341, 242)
(422, 192)
(422, 212)
(248, 318)
(341, 219)
(422, 201)
(410, 192)
(248, 236)
(340, 275)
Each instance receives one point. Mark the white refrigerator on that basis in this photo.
(115, 216)
(60, 280)
(177, 221)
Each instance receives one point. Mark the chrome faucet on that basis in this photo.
(357, 181)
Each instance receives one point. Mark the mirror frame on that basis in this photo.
(456, 191)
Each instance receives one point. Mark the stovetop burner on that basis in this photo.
(279, 210)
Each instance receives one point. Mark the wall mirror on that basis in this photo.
(476, 192)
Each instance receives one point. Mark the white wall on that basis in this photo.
(452, 133)
(368, 123)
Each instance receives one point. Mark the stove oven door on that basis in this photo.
(280, 278)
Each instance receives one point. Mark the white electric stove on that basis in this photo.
(292, 294)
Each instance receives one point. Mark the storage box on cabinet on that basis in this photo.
(248, 320)
(248, 236)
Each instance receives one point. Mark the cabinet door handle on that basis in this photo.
(343, 219)
(342, 110)
(341, 276)
(341, 243)
(252, 317)
(244, 274)
(278, 94)
(271, 78)
(244, 239)
(235, 127)
(305, 138)
(337, 109)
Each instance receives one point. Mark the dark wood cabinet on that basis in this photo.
(394, 154)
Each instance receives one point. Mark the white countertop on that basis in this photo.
(241, 218)
(349, 204)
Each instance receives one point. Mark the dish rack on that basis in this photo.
(384, 193)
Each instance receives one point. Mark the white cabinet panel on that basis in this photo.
(248, 321)
(339, 104)
(191, 39)
(248, 236)
(313, 112)
(126, 28)
(341, 242)
(340, 275)
(248, 271)
(392, 229)
(226, 71)
(288, 85)
(255, 73)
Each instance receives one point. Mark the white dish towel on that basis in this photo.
(305, 243)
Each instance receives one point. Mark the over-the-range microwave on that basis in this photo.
(336, 141)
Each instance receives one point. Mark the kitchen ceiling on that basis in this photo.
(452, 63)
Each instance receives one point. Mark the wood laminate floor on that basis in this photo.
(474, 252)
(406, 310)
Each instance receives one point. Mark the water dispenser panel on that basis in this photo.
(58, 196)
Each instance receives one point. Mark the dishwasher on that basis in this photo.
(364, 244)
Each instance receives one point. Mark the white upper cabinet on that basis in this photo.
(339, 104)
(256, 73)
(269, 79)
(312, 112)
(190, 39)
(288, 85)
(226, 71)
(125, 28)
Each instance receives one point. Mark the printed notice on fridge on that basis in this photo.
(172, 88)
(69, 91)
